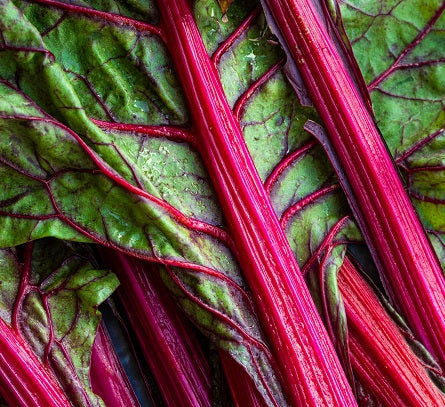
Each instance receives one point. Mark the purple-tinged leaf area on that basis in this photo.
(405, 71)
(50, 296)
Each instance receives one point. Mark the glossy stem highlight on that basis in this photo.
(311, 372)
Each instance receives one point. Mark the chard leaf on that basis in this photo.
(50, 296)
(91, 192)
(405, 71)
(106, 156)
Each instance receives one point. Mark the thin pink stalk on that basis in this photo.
(168, 343)
(312, 375)
(386, 216)
(107, 376)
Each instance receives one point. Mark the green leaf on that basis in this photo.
(51, 298)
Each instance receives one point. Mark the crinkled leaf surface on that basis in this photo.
(50, 294)
(399, 47)
(272, 120)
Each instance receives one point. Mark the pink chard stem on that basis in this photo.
(386, 216)
(168, 343)
(108, 378)
(24, 381)
(243, 390)
(380, 356)
(311, 372)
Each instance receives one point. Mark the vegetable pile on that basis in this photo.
(253, 190)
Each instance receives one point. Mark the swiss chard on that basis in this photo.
(97, 146)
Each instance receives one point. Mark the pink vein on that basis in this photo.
(107, 16)
(188, 222)
(224, 47)
(396, 64)
(170, 132)
(326, 242)
(285, 163)
(24, 286)
(250, 339)
(427, 168)
(421, 63)
(424, 198)
(419, 145)
(27, 49)
(244, 98)
(292, 210)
